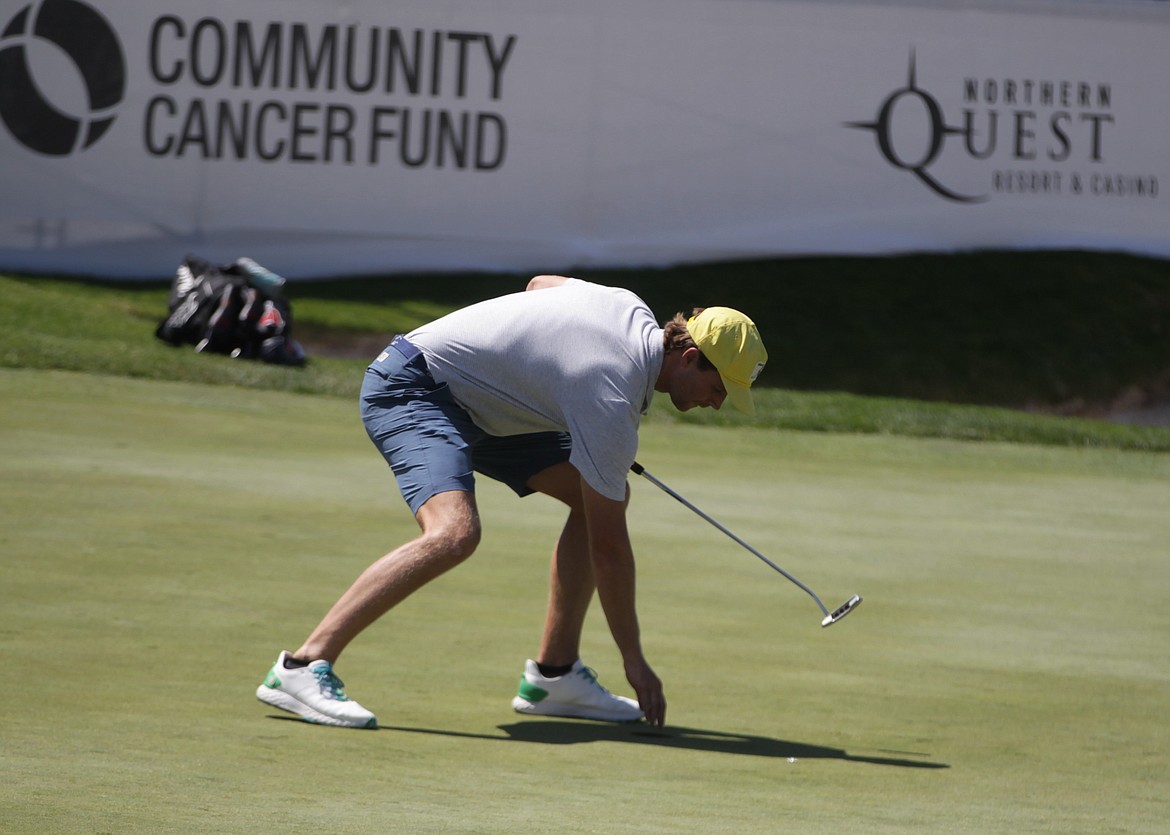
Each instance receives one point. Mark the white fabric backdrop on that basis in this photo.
(547, 134)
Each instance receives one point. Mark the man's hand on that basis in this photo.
(649, 690)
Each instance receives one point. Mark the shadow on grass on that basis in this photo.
(555, 732)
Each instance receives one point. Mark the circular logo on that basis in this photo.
(62, 74)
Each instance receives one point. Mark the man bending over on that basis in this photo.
(543, 390)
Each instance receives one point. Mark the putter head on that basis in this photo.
(842, 610)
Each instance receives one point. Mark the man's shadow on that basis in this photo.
(558, 732)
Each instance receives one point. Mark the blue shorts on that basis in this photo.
(429, 440)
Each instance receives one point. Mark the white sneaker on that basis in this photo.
(576, 694)
(314, 693)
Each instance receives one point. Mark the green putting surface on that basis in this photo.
(162, 542)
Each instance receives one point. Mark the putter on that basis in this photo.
(830, 617)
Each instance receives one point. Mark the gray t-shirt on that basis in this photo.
(578, 358)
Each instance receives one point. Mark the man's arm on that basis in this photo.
(613, 570)
(540, 282)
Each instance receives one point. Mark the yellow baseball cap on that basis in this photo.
(733, 345)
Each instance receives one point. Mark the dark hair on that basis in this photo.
(676, 337)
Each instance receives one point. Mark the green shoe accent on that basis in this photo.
(530, 691)
(272, 680)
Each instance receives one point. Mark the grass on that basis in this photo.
(169, 521)
(162, 540)
(843, 412)
(108, 328)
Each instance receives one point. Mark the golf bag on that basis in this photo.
(237, 309)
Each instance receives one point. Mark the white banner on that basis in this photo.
(370, 137)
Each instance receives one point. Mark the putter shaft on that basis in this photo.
(830, 617)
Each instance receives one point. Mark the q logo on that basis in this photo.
(905, 101)
(36, 48)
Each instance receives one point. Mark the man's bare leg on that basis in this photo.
(571, 590)
(450, 532)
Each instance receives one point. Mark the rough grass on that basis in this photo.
(108, 328)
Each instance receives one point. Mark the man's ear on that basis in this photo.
(691, 355)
